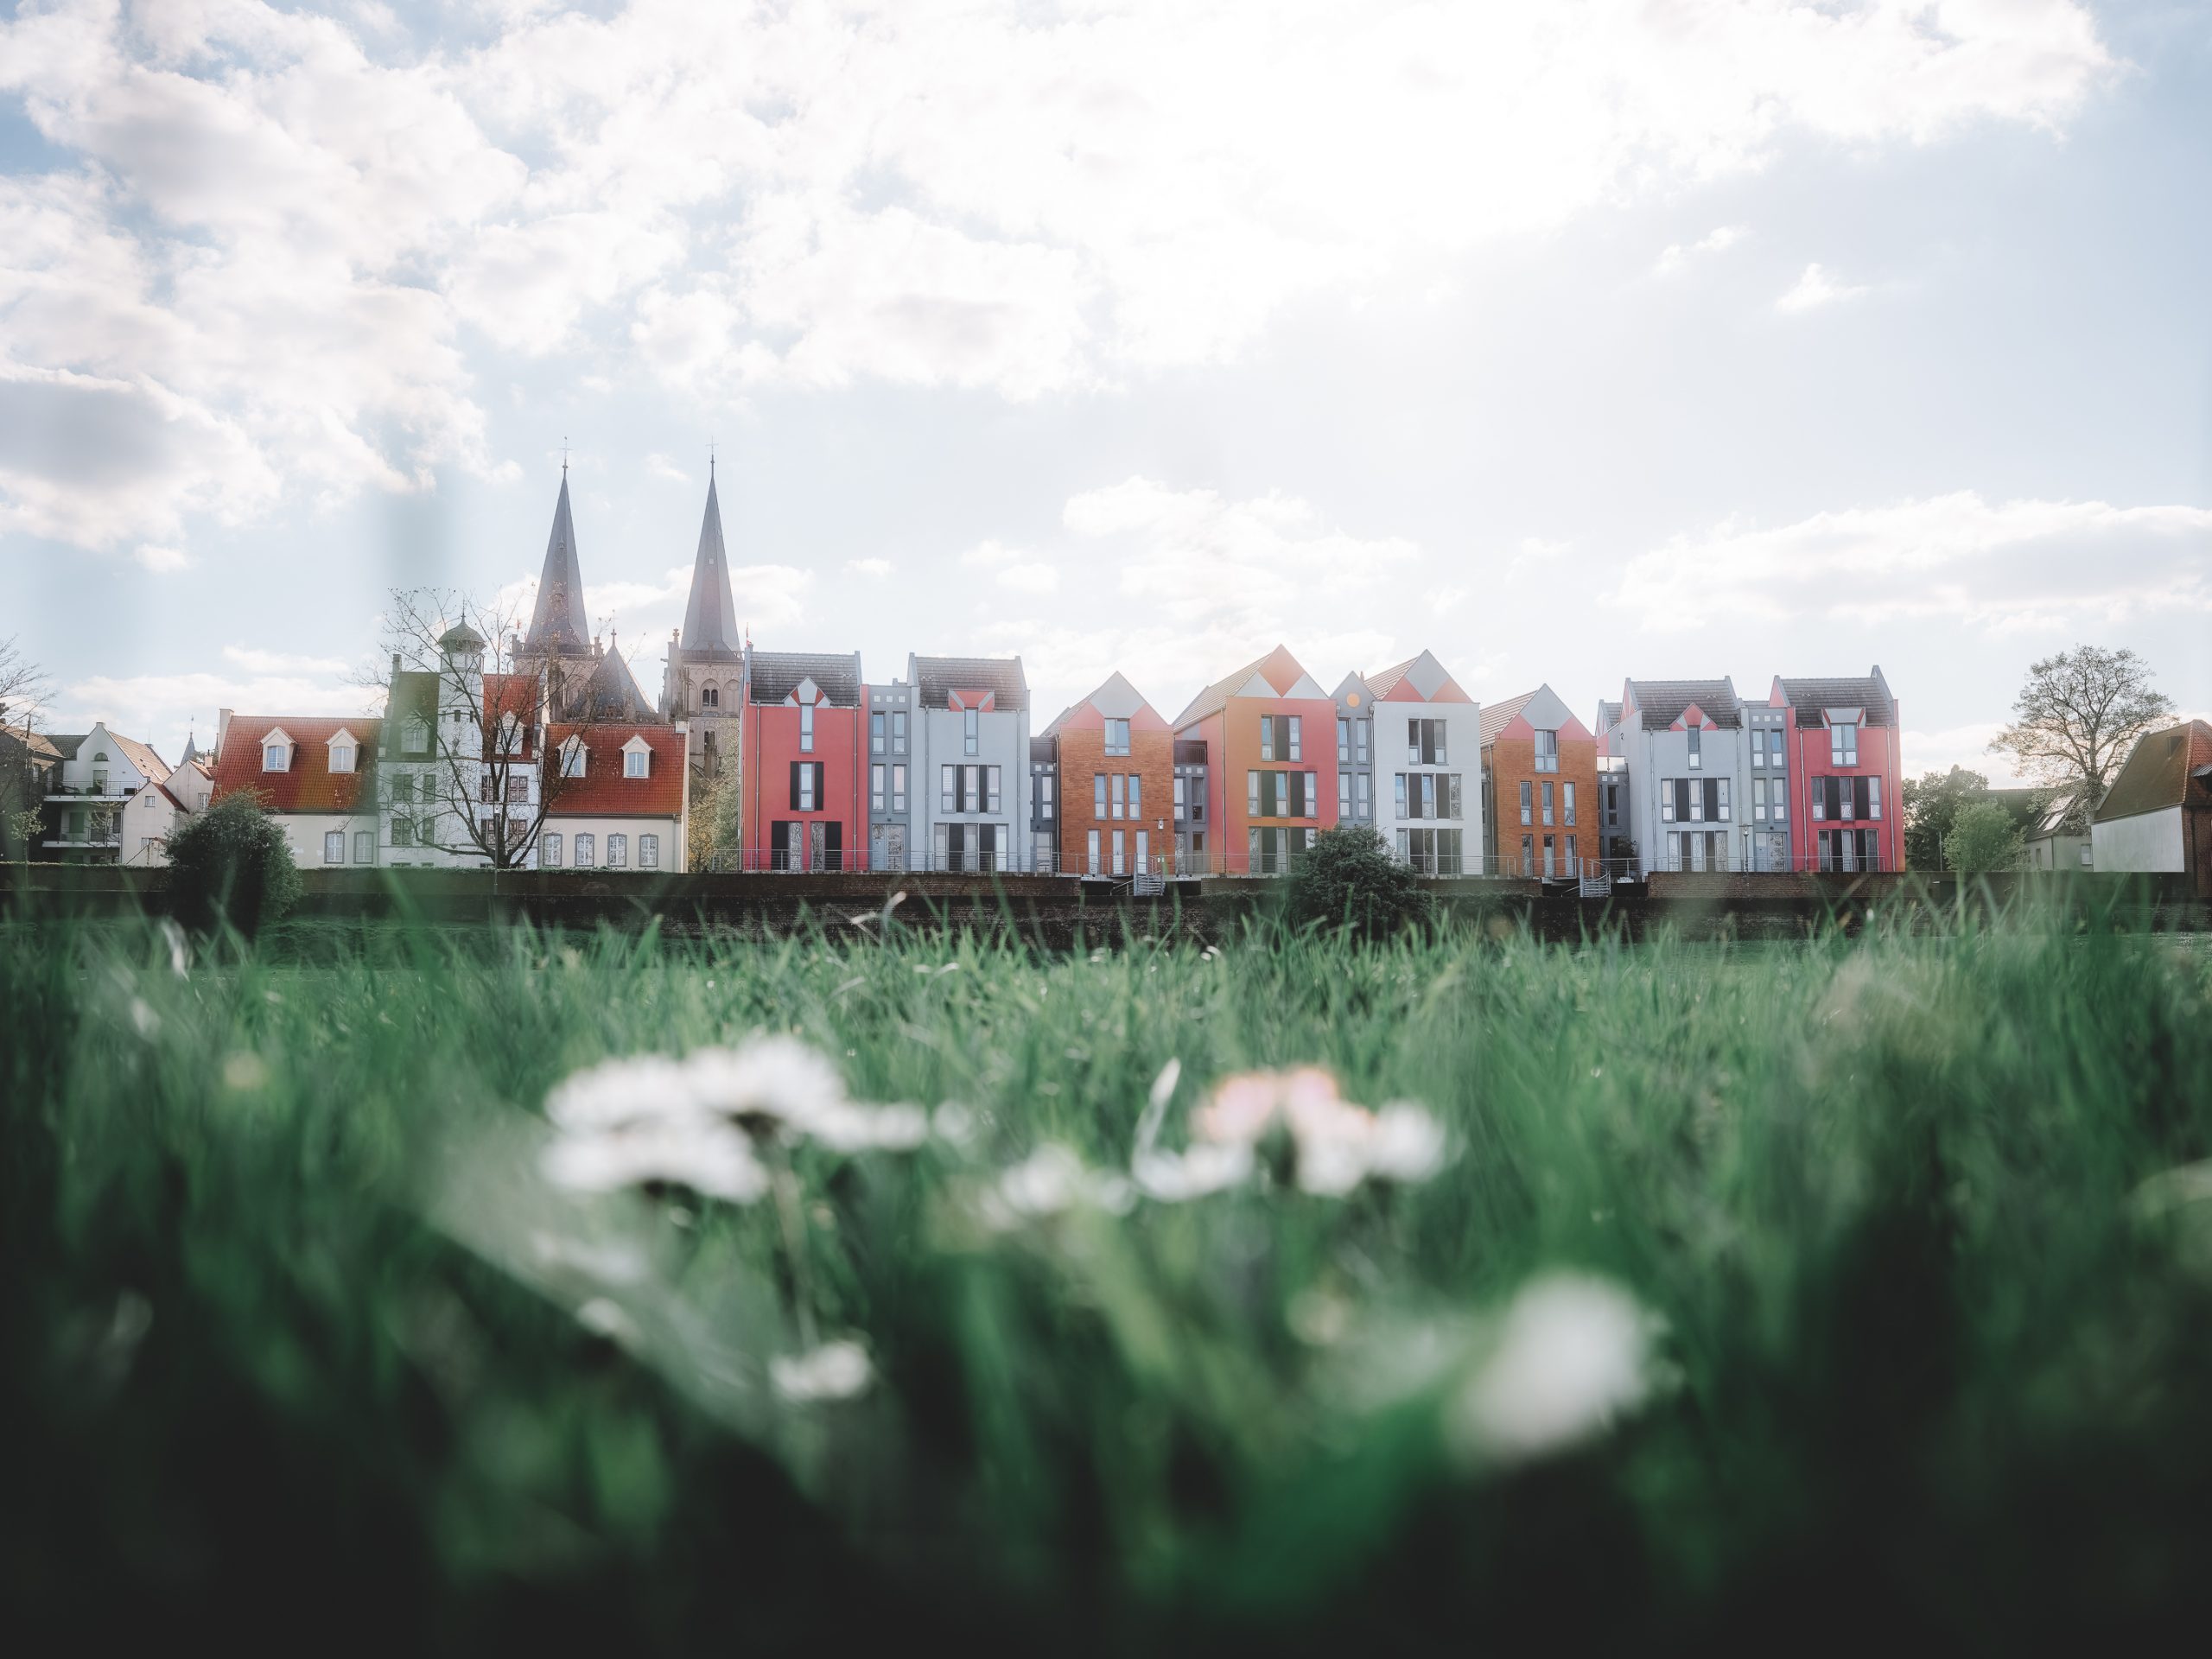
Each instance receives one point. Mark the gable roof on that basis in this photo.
(150, 766)
(603, 791)
(710, 618)
(1660, 703)
(776, 675)
(611, 692)
(309, 785)
(1609, 715)
(65, 743)
(1115, 698)
(2161, 771)
(1278, 672)
(1810, 698)
(937, 677)
(1421, 678)
(1497, 716)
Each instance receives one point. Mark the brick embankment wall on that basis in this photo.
(1059, 913)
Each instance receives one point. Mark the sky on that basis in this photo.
(1572, 341)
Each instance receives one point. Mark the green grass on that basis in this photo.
(294, 1337)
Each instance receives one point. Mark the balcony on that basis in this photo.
(80, 794)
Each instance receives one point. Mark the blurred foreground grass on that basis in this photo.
(298, 1346)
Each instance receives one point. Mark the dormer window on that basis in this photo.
(276, 752)
(806, 728)
(343, 751)
(637, 757)
(572, 758)
(1843, 742)
(415, 736)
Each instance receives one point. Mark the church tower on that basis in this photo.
(706, 659)
(583, 680)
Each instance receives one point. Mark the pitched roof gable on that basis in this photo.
(936, 678)
(776, 673)
(1812, 698)
(603, 791)
(309, 784)
(1660, 703)
(1277, 674)
(2162, 770)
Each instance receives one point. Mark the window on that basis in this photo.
(334, 847)
(1344, 740)
(1117, 785)
(1313, 808)
(1117, 737)
(572, 758)
(517, 789)
(1360, 794)
(1093, 864)
(875, 781)
(897, 789)
(1297, 728)
(1528, 855)
(618, 851)
(1548, 800)
(1425, 743)
(1136, 795)
(1267, 738)
(585, 852)
(1360, 728)
(1873, 797)
(1045, 793)
(897, 731)
(1567, 803)
(806, 786)
(1773, 745)
(1696, 737)
(1718, 787)
(806, 728)
(415, 736)
(1180, 794)
(1546, 752)
(403, 832)
(1528, 793)
(971, 731)
(1758, 793)
(1120, 866)
(648, 852)
(549, 851)
(1252, 852)
(1400, 779)
(276, 757)
(1098, 794)
(1344, 787)
(991, 776)
(1252, 794)
(1144, 856)
(634, 762)
(1843, 743)
(877, 727)
(710, 696)
(341, 757)
(1778, 796)
(403, 786)
(365, 846)
(1758, 748)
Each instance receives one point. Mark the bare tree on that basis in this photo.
(24, 687)
(463, 763)
(2075, 719)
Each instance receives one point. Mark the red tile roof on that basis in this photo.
(516, 695)
(603, 791)
(309, 785)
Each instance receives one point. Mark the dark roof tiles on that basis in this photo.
(937, 677)
(1660, 703)
(776, 675)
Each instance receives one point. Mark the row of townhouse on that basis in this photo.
(563, 762)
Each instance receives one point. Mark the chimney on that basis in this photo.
(222, 726)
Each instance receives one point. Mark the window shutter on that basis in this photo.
(795, 766)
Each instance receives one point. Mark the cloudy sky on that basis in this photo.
(1571, 341)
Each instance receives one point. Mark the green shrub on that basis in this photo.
(1984, 836)
(232, 863)
(1349, 878)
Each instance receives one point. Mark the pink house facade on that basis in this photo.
(1845, 773)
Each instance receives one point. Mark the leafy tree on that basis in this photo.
(1932, 804)
(231, 862)
(2075, 719)
(1349, 878)
(1984, 836)
(716, 829)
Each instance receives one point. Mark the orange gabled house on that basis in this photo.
(1270, 730)
(1540, 775)
(1115, 757)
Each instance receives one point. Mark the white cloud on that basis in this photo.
(161, 560)
(275, 240)
(1032, 578)
(161, 709)
(659, 465)
(2015, 567)
(1677, 256)
(874, 570)
(1815, 289)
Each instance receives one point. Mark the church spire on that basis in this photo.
(557, 624)
(710, 619)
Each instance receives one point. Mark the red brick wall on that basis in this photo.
(1151, 758)
(1508, 760)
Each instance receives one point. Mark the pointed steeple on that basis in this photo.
(557, 626)
(710, 619)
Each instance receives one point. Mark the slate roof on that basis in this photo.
(2162, 770)
(1497, 716)
(1870, 692)
(557, 623)
(414, 691)
(1609, 715)
(611, 692)
(937, 677)
(1660, 703)
(65, 743)
(310, 785)
(776, 675)
(603, 791)
(710, 618)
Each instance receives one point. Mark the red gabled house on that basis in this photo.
(804, 764)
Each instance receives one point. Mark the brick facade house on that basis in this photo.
(1540, 811)
(1269, 731)
(1115, 757)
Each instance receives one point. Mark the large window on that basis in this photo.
(806, 728)
(1843, 743)
(365, 846)
(334, 847)
(1566, 802)
(414, 737)
(1343, 794)
(1136, 795)
(806, 785)
(897, 731)
(548, 849)
(970, 789)
(710, 696)
(1528, 797)
(587, 852)
(876, 728)
(403, 832)
(1547, 801)
(1425, 743)
(1098, 794)
(1117, 737)
(897, 789)
(1117, 787)
(971, 731)
(1546, 752)
(618, 851)
(876, 782)
(1093, 849)
(648, 852)
(1344, 740)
